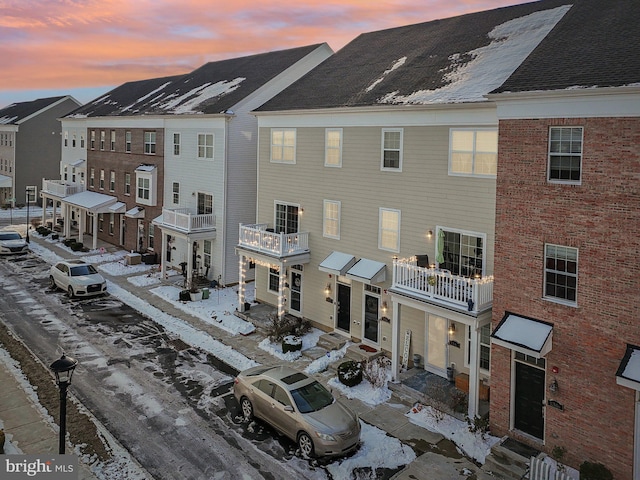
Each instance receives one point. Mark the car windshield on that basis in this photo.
(83, 270)
(312, 397)
(10, 236)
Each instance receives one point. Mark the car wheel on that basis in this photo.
(52, 283)
(305, 444)
(70, 291)
(247, 408)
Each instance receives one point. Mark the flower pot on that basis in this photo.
(196, 296)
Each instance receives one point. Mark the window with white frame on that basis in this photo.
(111, 223)
(151, 235)
(73, 141)
(462, 252)
(65, 175)
(333, 147)
(73, 174)
(286, 218)
(565, 154)
(150, 143)
(176, 144)
(66, 139)
(561, 273)
(283, 145)
(484, 347)
(127, 141)
(127, 184)
(81, 141)
(93, 140)
(392, 149)
(102, 139)
(113, 141)
(206, 249)
(112, 181)
(473, 152)
(101, 221)
(175, 190)
(205, 145)
(205, 203)
(92, 177)
(144, 188)
(331, 219)
(274, 279)
(101, 179)
(389, 230)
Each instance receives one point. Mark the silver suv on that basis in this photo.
(77, 278)
(300, 408)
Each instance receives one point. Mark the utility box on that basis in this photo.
(133, 259)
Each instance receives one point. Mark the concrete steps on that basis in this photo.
(505, 462)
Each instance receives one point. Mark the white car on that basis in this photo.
(12, 242)
(77, 278)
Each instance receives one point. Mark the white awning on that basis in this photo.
(146, 168)
(367, 271)
(135, 212)
(6, 182)
(118, 207)
(91, 201)
(337, 263)
(78, 163)
(525, 335)
(628, 374)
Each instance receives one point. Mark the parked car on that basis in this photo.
(11, 242)
(77, 278)
(299, 407)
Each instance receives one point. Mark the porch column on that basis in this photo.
(81, 227)
(67, 220)
(281, 293)
(474, 385)
(44, 210)
(53, 218)
(395, 340)
(189, 261)
(163, 254)
(95, 229)
(241, 283)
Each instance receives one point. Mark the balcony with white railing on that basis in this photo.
(259, 238)
(184, 220)
(474, 295)
(61, 189)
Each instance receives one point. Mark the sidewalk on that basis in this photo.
(435, 454)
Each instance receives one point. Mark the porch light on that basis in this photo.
(384, 307)
(430, 234)
(327, 289)
(452, 328)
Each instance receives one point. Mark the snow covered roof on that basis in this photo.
(628, 373)
(337, 263)
(211, 89)
(525, 335)
(92, 201)
(367, 271)
(17, 112)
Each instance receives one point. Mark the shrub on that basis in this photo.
(42, 230)
(184, 296)
(478, 424)
(69, 241)
(350, 373)
(291, 343)
(279, 328)
(594, 471)
(77, 247)
(375, 371)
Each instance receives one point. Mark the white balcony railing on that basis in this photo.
(61, 189)
(257, 237)
(473, 294)
(183, 219)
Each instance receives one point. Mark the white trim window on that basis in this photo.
(92, 177)
(286, 218)
(484, 348)
(151, 236)
(331, 219)
(73, 141)
(389, 230)
(102, 139)
(112, 181)
(205, 145)
(93, 140)
(473, 152)
(66, 139)
(391, 157)
(101, 221)
(112, 222)
(565, 154)
(127, 141)
(176, 144)
(149, 143)
(561, 274)
(462, 252)
(144, 188)
(81, 141)
(113, 141)
(101, 179)
(127, 184)
(333, 147)
(283, 145)
(273, 280)
(205, 203)
(206, 250)
(175, 192)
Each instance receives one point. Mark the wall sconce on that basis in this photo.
(301, 210)
(452, 328)
(327, 290)
(553, 386)
(384, 307)
(430, 234)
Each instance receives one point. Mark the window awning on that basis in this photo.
(92, 201)
(146, 168)
(522, 334)
(367, 271)
(628, 374)
(5, 182)
(78, 163)
(117, 207)
(135, 212)
(337, 263)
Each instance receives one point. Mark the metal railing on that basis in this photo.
(258, 237)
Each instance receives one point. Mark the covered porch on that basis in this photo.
(56, 191)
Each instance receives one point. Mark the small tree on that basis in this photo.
(375, 371)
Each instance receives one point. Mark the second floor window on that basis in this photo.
(112, 181)
(205, 203)
(283, 145)
(73, 141)
(391, 149)
(144, 188)
(127, 184)
(462, 252)
(175, 189)
(176, 144)
(561, 273)
(81, 141)
(127, 141)
(389, 230)
(113, 141)
(286, 220)
(93, 140)
(92, 177)
(150, 143)
(101, 179)
(331, 223)
(333, 147)
(205, 145)
(473, 152)
(102, 139)
(565, 154)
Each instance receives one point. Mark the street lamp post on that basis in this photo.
(63, 369)
(27, 195)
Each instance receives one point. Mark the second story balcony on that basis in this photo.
(60, 189)
(261, 239)
(474, 295)
(184, 220)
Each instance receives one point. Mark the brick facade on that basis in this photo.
(601, 218)
(122, 162)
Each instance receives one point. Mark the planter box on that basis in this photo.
(195, 297)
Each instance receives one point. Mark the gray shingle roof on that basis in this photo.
(213, 88)
(16, 112)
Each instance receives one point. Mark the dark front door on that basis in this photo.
(529, 397)
(343, 311)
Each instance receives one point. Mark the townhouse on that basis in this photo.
(29, 146)
(171, 167)
(376, 191)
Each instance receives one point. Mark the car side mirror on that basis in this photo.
(288, 408)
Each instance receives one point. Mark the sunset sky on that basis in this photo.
(86, 47)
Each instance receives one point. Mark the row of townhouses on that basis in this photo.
(454, 194)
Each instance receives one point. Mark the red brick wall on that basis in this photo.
(601, 218)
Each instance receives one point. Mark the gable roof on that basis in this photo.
(213, 88)
(453, 60)
(596, 44)
(18, 112)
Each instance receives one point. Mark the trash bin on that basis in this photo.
(205, 293)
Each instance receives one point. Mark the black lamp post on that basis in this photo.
(27, 195)
(63, 369)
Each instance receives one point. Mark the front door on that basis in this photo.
(295, 292)
(529, 398)
(343, 309)
(371, 318)
(436, 359)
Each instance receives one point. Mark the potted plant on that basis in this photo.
(350, 373)
(291, 343)
(195, 293)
